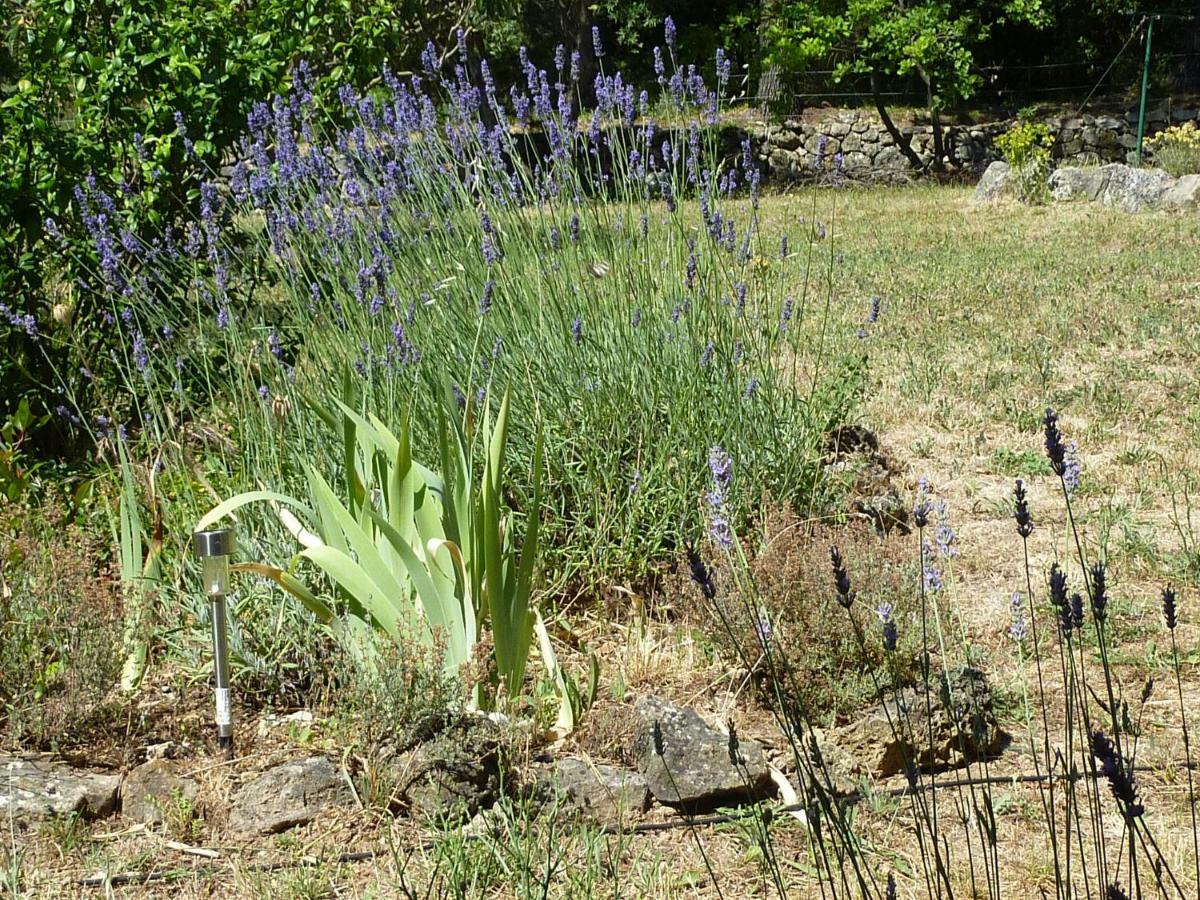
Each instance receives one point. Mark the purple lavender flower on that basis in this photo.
(1120, 778)
(1021, 510)
(1072, 470)
(573, 228)
(785, 315)
(1099, 592)
(1055, 449)
(577, 329)
(485, 302)
(841, 579)
(751, 389)
(720, 467)
(931, 575)
(921, 507)
(783, 247)
(636, 481)
(597, 46)
(670, 35)
(707, 355)
(1019, 629)
(263, 392)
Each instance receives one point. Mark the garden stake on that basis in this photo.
(214, 549)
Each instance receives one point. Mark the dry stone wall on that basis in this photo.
(800, 149)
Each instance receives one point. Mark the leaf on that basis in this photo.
(292, 585)
(221, 510)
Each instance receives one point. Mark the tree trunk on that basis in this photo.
(905, 144)
(935, 120)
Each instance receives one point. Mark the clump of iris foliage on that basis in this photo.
(609, 270)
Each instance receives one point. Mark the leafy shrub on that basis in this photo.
(1026, 147)
(140, 98)
(1177, 149)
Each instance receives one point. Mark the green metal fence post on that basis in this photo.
(1141, 132)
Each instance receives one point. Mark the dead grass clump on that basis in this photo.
(60, 632)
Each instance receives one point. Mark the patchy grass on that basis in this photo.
(988, 315)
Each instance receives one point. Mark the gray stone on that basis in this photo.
(785, 140)
(1072, 148)
(890, 157)
(453, 775)
(838, 129)
(994, 182)
(889, 737)
(1075, 183)
(1183, 194)
(1108, 123)
(152, 788)
(603, 794)
(870, 134)
(1133, 189)
(1088, 136)
(292, 794)
(1183, 114)
(851, 143)
(1128, 141)
(32, 791)
(694, 769)
(856, 162)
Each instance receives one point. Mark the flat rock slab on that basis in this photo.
(292, 794)
(154, 787)
(34, 791)
(694, 769)
(1133, 190)
(603, 794)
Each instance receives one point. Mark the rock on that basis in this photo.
(890, 157)
(856, 162)
(1128, 141)
(1183, 114)
(289, 795)
(34, 791)
(454, 774)
(1133, 189)
(886, 738)
(694, 770)
(838, 129)
(994, 182)
(1088, 135)
(785, 140)
(1075, 183)
(603, 794)
(1183, 194)
(851, 143)
(152, 788)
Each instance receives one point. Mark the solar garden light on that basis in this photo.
(214, 549)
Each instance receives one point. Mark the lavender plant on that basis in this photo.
(609, 269)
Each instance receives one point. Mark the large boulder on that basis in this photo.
(1078, 183)
(1133, 190)
(32, 791)
(1183, 194)
(694, 769)
(994, 182)
(960, 721)
(154, 787)
(292, 794)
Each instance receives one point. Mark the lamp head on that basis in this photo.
(214, 549)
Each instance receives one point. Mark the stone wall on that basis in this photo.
(793, 150)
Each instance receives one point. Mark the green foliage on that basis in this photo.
(1176, 149)
(932, 39)
(1026, 147)
(91, 90)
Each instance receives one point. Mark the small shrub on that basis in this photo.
(812, 634)
(1026, 147)
(1177, 149)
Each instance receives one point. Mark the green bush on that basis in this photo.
(140, 99)
(1026, 147)
(1177, 149)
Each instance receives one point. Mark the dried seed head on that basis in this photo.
(841, 579)
(734, 759)
(1099, 593)
(657, 735)
(1120, 780)
(1056, 451)
(1169, 610)
(1058, 586)
(1021, 510)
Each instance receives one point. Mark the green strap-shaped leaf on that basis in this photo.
(221, 510)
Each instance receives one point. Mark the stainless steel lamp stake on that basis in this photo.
(215, 549)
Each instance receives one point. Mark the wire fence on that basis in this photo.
(1178, 73)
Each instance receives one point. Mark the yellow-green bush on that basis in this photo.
(1177, 149)
(1026, 147)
